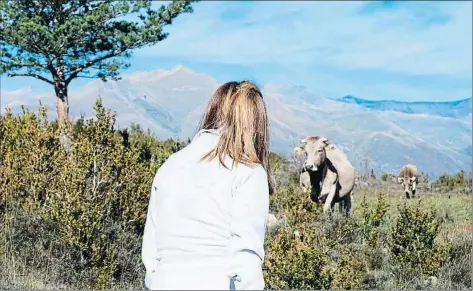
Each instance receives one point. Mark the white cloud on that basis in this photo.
(406, 39)
(417, 50)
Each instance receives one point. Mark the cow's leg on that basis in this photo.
(328, 205)
(330, 198)
(348, 205)
(407, 188)
(414, 186)
(303, 187)
(341, 206)
(304, 182)
(314, 194)
(332, 206)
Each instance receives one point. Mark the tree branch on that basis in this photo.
(32, 75)
(19, 66)
(90, 63)
(86, 77)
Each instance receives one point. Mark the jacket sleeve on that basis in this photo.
(148, 249)
(249, 215)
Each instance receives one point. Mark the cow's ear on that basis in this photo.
(299, 151)
(324, 140)
(330, 147)
(400, 180)
(303, 143)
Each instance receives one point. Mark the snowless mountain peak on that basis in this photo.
(171, 102)
(156, 75)
(180, 68)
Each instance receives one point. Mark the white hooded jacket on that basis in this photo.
(206, 224)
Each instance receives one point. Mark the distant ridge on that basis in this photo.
(454, 109)
(436, 136)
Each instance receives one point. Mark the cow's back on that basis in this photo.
(408, 171)
(345, 170)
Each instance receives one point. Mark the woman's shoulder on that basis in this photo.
(166, 167)
(251, 170)
(244, 172)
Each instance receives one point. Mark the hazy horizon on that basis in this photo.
(49, 90)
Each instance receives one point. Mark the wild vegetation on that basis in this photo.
(72, 213)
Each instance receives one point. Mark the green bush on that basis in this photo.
(349, 270)
(294, 262)
(412, 241)
(384, 176)
(460, 180)
(372, 218)
(314, 251)
(73, 206)
(93, 187)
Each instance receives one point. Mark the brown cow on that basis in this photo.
(408, 179)
(332, 177)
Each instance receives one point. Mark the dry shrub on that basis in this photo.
(73, 209)
(349, 270)
(293, 262)
(91, 188)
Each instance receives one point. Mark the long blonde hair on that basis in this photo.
(238, 112)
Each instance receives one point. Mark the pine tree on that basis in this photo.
(57, 41)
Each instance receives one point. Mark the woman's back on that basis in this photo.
(187, 187)
(209, 202)
(200, 229)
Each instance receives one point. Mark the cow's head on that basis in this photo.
(313, 148)
(409, 184)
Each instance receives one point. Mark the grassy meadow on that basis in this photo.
(72, 213)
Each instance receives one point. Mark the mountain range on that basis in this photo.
(453, 109)
(382, 135)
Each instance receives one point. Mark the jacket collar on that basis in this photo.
(214, 132)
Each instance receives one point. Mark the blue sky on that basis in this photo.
(375, 50)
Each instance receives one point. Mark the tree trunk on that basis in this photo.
(62, 98)
(62, 109)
